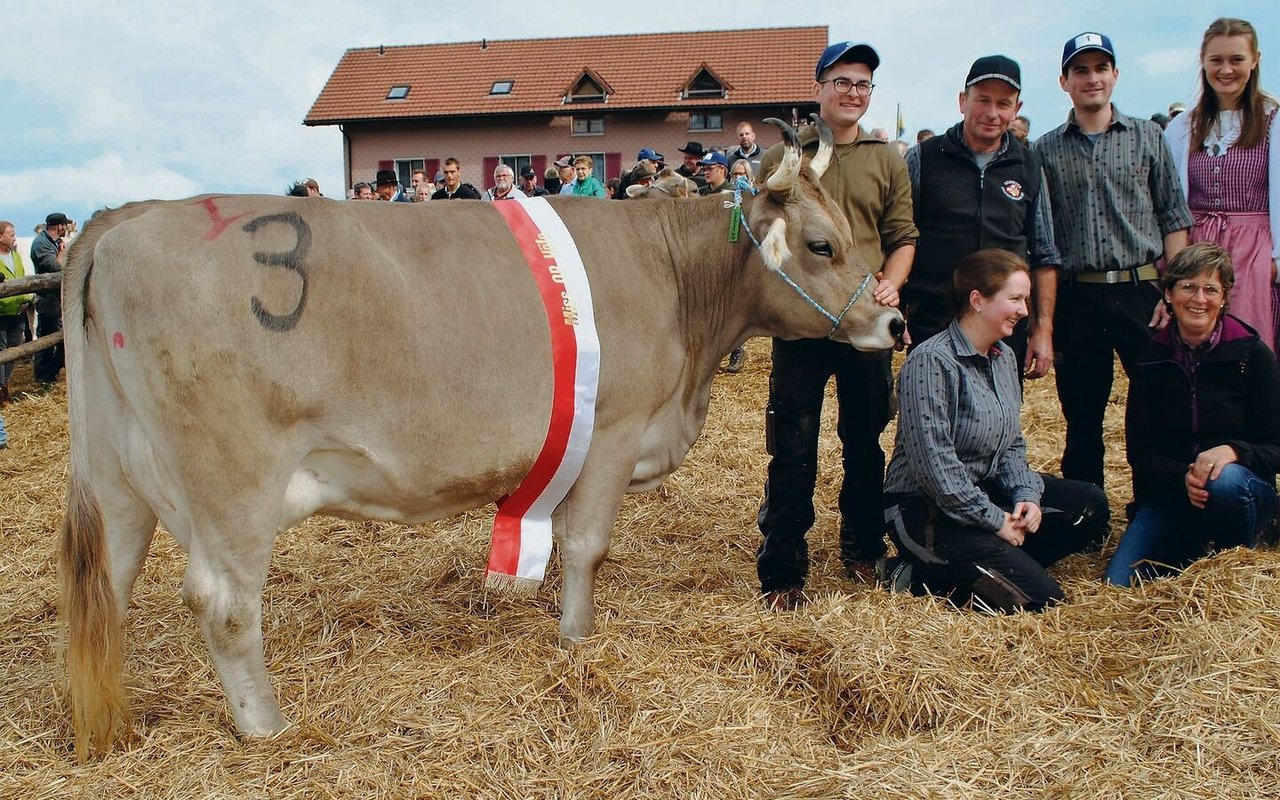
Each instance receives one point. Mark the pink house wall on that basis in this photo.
(472, 140)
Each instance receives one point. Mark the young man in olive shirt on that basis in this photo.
(868, 181)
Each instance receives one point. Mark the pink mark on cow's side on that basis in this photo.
(220, 223)
(118, 340)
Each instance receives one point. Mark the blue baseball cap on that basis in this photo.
(715, 158)
(856, 52)
(650, 154)
(1087, 41)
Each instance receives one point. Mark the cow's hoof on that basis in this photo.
(785, 599)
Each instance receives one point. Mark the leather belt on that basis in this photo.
(1146, 272)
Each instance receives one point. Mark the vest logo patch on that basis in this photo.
(1012, 190)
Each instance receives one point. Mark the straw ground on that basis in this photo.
(406, 680)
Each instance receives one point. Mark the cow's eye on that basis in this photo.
(820, 247)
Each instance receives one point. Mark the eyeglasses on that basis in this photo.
(845, 86)
(1190, 289)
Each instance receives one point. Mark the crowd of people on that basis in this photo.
(712, 169)
(24, 316)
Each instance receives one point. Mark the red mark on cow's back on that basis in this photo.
(118, 340)
(220, 223)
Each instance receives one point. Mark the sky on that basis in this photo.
(110, 101)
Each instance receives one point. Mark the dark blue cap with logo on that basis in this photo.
(649, 154)
(853, 52)
(1087, 41)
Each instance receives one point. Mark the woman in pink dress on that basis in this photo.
(1228, 152)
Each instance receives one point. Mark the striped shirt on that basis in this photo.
(959, 426)
(1115, 199)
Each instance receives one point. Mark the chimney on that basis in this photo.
(382, 50)
(484, 44)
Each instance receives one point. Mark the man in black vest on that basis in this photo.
(975, 187)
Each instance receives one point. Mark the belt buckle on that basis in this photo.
(1114, 276)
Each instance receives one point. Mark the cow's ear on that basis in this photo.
(773, 247)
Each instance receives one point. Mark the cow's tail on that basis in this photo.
(94, 659)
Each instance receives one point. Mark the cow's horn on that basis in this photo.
(784, 177)
(826, 147)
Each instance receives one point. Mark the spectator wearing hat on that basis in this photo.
(529, 183)
(692, 167)
(974, 187)
(747, 147)
(640, 175)
(868, 182)
(655, 159)
(1176, 108)
(504, 185)
(46, 257)
(565, 173)
(454, 188)
(388, 187)
(715, 170)
(1118, 208)
(586, 184)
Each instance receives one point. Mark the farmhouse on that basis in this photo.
(527, 102)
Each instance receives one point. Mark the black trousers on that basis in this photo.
(1091, 322)
(947, 554)
(797, 386)
(46, 364)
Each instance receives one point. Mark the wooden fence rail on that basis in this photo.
(27, 285)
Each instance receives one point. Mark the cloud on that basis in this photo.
(114, 180)
(1171, 61)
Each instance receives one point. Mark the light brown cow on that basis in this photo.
(216, 384)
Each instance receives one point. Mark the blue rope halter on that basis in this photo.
(741, 185)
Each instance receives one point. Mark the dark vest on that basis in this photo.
(961, 209)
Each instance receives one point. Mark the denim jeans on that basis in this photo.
(1163, 538)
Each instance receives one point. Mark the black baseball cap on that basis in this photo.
(1000, 68)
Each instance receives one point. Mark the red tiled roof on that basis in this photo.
(764, 66)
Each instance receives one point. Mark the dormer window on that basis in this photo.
(705, 85)
(398, 93)
(589, 88)
(502, 87)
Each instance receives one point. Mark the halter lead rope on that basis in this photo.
(739, 219)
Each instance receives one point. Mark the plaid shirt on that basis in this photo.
(1115, 199)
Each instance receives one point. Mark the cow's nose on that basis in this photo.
(897, 327)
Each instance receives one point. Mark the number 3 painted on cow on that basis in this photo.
(291, 260)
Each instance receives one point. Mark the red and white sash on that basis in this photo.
(522, 528)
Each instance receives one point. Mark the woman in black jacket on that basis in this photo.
(1202, 427)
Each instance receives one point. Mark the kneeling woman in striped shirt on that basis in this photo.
(970, 518)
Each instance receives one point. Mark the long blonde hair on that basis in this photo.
(1253, 113)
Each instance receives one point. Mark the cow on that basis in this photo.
(215, 383)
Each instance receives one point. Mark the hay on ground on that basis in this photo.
(406, 679)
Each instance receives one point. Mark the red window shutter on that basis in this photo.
(431, 166)
(490, 164)
(613, 165)
(539, 164)
(386, 165)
